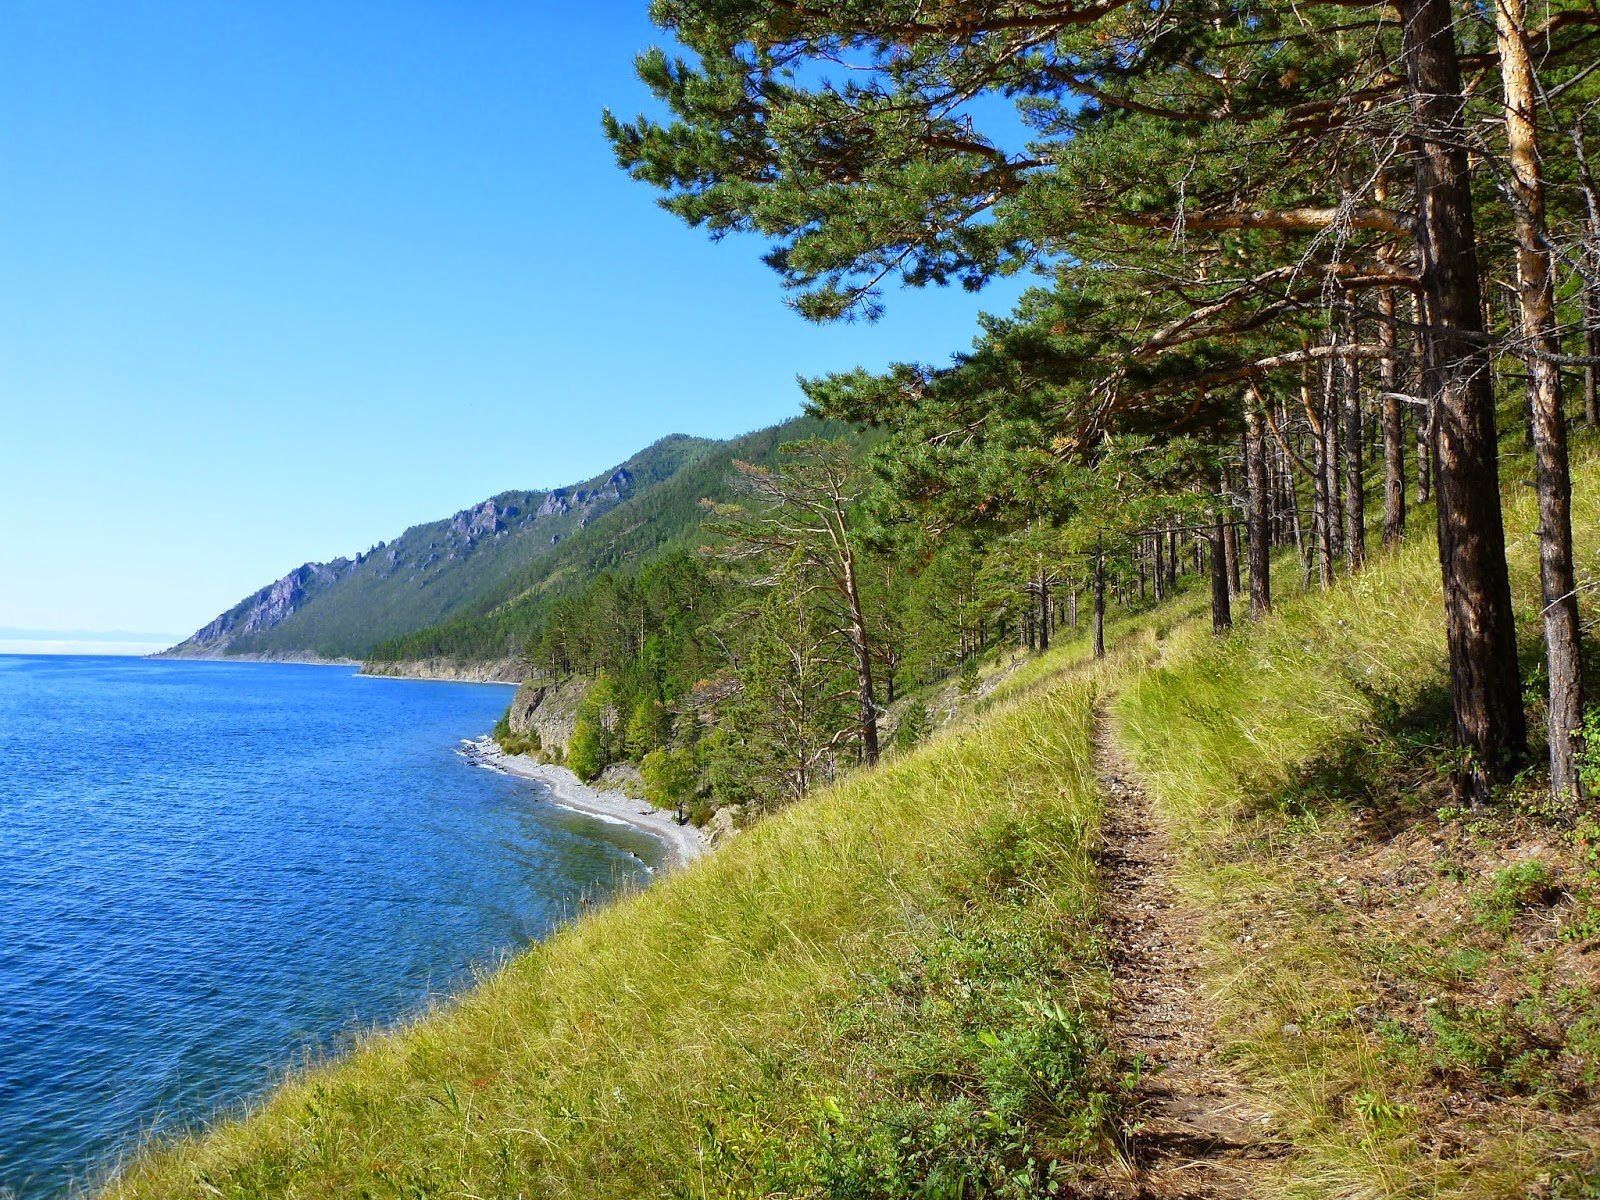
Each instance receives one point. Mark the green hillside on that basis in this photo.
(899, 987)
(498, 622)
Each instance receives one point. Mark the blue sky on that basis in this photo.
(278, 280)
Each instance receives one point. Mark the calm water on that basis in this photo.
(208, 869)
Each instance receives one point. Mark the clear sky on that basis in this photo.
(278, 280)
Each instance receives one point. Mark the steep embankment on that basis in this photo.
(903, 988)
(898, 981)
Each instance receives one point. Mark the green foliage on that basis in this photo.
(586, 752)
(669, 776)
(562, 609)
(1511, 891)
(915, 725)
(648, 727)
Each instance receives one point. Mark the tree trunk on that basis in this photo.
(1044, 613)
(1541, 342)
(1394, 425)
(1479, 620)
(1331, 458)
(1072, 608)
(1355, 483)
(1221, 608)
(1172, 560)
(863, 655)
(1427, 448)
(1591, 341)
(1321, 508)
(1099, 602)
(1258, 528)
(1230, 545)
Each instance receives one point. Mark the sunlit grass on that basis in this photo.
(896, 955)
(899, 987)
(1230, 738)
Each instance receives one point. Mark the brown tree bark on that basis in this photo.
(1258, 527)
(1486, 684)
(1321, 501)
(1332, 458)
(1394, 426)
(1355, 480)
(1541, 344)
(1221, 607)
(1099, 601)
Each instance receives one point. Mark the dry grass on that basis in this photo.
(1394, 974)
(894, 983)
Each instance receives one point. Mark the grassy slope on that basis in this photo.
(901, 981)
(896, 981)
(1408, 984)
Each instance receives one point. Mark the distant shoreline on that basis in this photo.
(424, 671)
(684, 843)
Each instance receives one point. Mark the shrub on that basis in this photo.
(586, 753)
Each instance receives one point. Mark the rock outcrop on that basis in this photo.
(548, 709)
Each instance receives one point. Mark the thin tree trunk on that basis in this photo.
(1257, 521)
(1221, 608)
(1230, 546)
(1044, 613)
(1480, 623)
(863, 649)
(1331, 458)
(1099, 601)
(1541, 339)
(1394, 426)
(1355, 483)
(1072, 608)
(1427, 447)
(1321, 513)
(1591, 341)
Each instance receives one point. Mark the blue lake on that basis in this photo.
(210, 870)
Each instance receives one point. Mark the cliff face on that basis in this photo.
(268, 608)
(549, 710)
(339, 610)
(506, 670)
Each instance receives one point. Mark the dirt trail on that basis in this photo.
(1202, 1135)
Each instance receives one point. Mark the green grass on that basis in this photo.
(1387, 966)
(899, 988)
(895, 989)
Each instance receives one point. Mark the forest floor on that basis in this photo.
(1201, 1132)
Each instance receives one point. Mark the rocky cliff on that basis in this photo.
(548, 710)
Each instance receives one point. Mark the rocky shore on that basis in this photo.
(684, 843)
(509, 670)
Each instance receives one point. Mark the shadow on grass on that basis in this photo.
(1394, 770)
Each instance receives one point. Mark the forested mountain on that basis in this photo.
(502, 620)
(473, 587)
(465, 562)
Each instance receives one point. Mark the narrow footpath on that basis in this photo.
(1202, 1134)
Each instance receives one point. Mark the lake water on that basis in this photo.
(208, 870)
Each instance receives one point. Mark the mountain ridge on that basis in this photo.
(336, 611)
